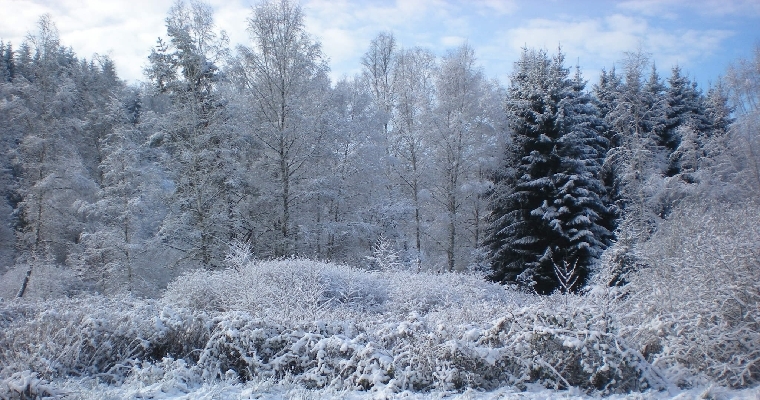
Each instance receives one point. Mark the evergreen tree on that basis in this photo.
(581, 206)
(718, 110)
(684, 107)
(7, 62)
(605, 94)
(23, 61)
(635, 115)
(653, 96)
(547, 210)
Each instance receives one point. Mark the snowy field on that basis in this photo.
(177, 389)
(304, 329)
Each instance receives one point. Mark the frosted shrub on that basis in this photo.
(322, 325)
(385, 257)
(68, 337)
(251, 348)
(331, 325)
(202, 290)
(696, 308)
(155, 378)
(26, 385)
(95, 336)
(283, 290)
(569, 347)
(354, 290)
(453, 298)
(239, 255)
(297, 290)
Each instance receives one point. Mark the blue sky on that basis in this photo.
(701, 36)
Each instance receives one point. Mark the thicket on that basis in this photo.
(326, 325)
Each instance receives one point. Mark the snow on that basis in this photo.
(87, 389)
(243, 333)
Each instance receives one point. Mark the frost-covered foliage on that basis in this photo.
(26, 385)
(322, 325)
(330, 325)
(301, 290)
(334, 328)
(93, 336)
(526, 347)
(694, 306)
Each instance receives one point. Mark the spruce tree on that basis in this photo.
(684, 107)
(605, 92)
(547, 209)
(718, 111)
(581, 206)
(7, 63)
(654, 100)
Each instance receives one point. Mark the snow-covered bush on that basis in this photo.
(454, 298)
(385, 257)
(316, 356)
(695, 308)
(321, 325)
(163, 376)
(26, 385)
(557, 350)
(294, 290)
(280, 291)
(94, 336)
(332, 325)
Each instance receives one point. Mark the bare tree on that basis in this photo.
(285, 77)
(414, 89)
(463, 130)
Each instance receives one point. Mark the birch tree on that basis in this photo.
(463, 138)
(284, 76)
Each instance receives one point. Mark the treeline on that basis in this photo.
(419, 160)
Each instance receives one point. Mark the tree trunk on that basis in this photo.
(24, 283)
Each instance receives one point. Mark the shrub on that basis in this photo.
(694, 309)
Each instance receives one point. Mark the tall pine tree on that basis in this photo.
(548, 217)
(684, 108)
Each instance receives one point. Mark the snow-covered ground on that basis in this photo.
(177, 389)
(304, 329)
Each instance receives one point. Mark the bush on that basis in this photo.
(26, 385)
(94, 336)
(531, 346)
(322, 325)
(694, 309)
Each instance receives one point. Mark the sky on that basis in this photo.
(701, 36)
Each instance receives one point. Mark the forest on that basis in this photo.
(239, 223)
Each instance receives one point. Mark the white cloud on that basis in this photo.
(452, 41)
(497, 29)
(672, 8)
(346, 28)
(600, 42)
(652, 8)
(499, 7)
(232, 17)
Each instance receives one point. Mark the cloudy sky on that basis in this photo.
(702, 36)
